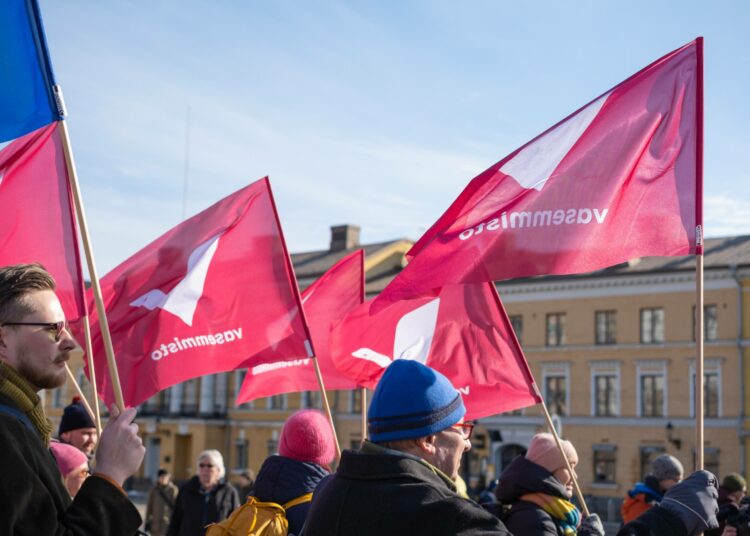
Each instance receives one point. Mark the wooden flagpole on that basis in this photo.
(85, 402)
(92, 372)
(584, 507)
(83, 228)
(300, 306)
(699, 259)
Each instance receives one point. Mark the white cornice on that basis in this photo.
(621, 285)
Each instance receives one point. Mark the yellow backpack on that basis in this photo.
(255, 518)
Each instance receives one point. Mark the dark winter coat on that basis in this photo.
(519, 478)
(378, 491)
(194, 509)
(282, 479)
(35, 501)
(655, 521)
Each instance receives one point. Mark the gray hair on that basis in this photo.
(216, 458)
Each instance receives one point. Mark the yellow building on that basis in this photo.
(612, 351)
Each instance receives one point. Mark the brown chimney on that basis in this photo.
(344, 237)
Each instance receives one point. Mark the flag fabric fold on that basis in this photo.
(462, 332)
(37, 219)
(616, 180)
(27, 100)
(213, 294)
(325, 302)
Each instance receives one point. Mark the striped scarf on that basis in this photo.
(564, 512)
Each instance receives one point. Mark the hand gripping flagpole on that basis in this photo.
(83, 228)
(308, 342)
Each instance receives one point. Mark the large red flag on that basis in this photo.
(37, 220)
(326, 301)
(214, 294)
(463, 332)
(616, 180)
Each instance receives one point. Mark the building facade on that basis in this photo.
(613, 353)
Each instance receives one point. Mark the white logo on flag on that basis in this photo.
(413, 338)
(535, 163)
(182, 300)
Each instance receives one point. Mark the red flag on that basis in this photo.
(37, 220)
(214, 294)
(326, 301)
(463, 332)
(616, 180)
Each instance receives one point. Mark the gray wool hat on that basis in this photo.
(667, 467)
(694, 501)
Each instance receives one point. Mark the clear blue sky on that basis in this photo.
(372, 113)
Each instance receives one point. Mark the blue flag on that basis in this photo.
(27, 101)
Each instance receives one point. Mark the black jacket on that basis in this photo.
(35, 500)
(282, 479)
(378, 491)
(526, 518)
(655, 521)
(195, 509)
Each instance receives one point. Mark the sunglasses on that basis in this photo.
(466, 429)
(205, 465)
(54, 328)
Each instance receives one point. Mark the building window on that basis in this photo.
(652, 395)
(605, 327)
(648, 454)
(605, 395)
(190, 397)
(605, 461)
(241, 448)
(711, 388)
(710, 322)
(555, 394)
(652, 325)
(276, 402)
(556, 329)
(311, 399)
(516, 322)
(711, 459)
(355, 404)
(57, 397)
(272, 446)
(239, 379)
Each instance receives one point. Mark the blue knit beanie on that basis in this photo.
(412, 400)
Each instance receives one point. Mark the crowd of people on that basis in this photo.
(402, 480)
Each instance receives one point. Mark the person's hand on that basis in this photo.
(729, 531)
(591, 526)
(120, 451)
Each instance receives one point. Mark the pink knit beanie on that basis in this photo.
(68, 457)
(307, 437)
(543, 451)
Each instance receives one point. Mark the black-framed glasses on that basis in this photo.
(206, 465)
(466, 429)
(55, 328)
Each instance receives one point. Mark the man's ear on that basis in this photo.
(65, 436)
(427, 444)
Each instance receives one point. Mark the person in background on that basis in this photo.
(306, 449)
(204, 499)
(77, 428)
(538, 487)
(73, 464)
(245, 485)
(731, 493)
(687, 509)
(160, 505)
(666, 471)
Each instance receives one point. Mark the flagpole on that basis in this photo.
(364, 414)
(364, 390)
(82, 397)
(300, 306)
(90, 362)
(83, 228)
(550, 424)
(699, 258)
